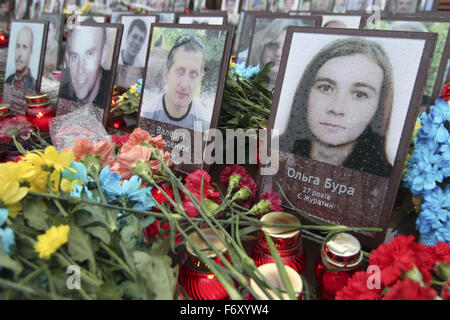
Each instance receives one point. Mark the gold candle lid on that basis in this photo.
(34, 100)
(343, 245)
(280, 217)
(270, 272)
(5, 106)
(343, 250)
(203, 246)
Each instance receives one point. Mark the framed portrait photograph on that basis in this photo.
(199, 5)
(90, 62)
(340, 97)
(440, 26)
(402, 7)
(230, 6)
(21, 10)
(117, 15)
(184, 83)
(288, 5)
(257, 5)
(268, 35)
(25, 60)
(54, 39)
(91, 18)
(246, 34)
(305, 5)
(34, 9)
(345, 20)
(428, 5)
(179, 5)
(57, 6)
(213, 18)
(133, 48)
(166, 17)
(358, 5)
(322, 5)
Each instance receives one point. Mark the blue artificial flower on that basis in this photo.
(79, 175)
(429, 165)
(138, 90)
(6, 234)
(245, 72)
(109, 182)
(128, 192)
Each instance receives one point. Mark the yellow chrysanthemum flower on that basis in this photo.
(51, 159)
(10, 195)
(20, 171)
(51, 240)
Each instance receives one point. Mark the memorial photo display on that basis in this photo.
(184, 80)
(90, 60)
(423, 24)
(344, 110)
(346, 21)
(25, 62)
(54, 39)
(133, 48)
(230, 6)
(26, 52)
(268, 35)
(216, 18)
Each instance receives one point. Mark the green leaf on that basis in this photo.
(156, 271)
(8, 263)
(131, 290)
(109, 290)
(80, 246)
(35, 213)
(100, 233)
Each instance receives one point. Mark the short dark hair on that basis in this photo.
(137, 23)
(189, 43)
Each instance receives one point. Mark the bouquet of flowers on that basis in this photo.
(403, 270)
(428, 171)
(112, 215)
(246, 102)
(128, 102)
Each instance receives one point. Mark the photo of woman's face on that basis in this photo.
(273, 51)
(344, 98)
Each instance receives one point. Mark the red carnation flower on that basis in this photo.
(120, 141)
(232, 170)
(445, 93)
(194, 183)
(425, 261)
(409, 290)
(153, 231)
(272, 197)
(393, 257)
(442, 252)
(357, 289)
(445, 295)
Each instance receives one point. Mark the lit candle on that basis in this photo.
(39, 111)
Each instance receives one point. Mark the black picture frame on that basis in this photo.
(376, 193)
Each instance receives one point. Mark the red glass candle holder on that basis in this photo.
(287, 242)
(195, 277)
(270, 272)
(340, 258)
(4, 111)
(39, 111)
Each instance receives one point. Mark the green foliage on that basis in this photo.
(246, 102)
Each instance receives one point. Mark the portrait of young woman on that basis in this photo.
(345, 98)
